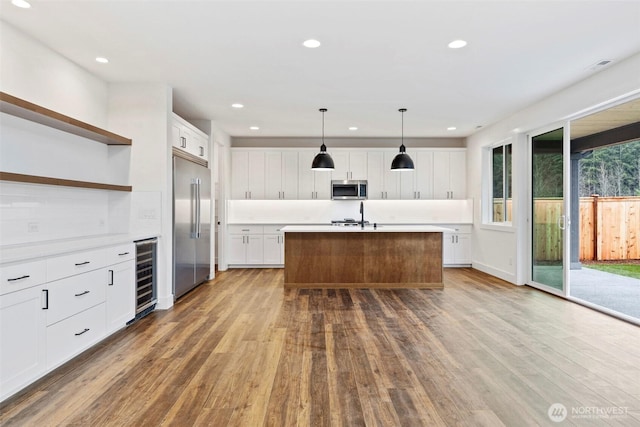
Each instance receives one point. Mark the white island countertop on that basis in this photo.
(367, 229)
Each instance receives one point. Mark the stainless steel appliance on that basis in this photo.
(191, 225)
(145, 276)
(349, 190)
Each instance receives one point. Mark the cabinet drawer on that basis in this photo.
(116, 254)
(75, 263)
(75, 334)
(246, 229)
(273, 229)
(75, 294)
(15, 277)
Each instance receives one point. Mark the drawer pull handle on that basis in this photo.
(82, 293)
(123, 254)
(83, 332)
(18, 278)
(110, 278)
(78, 264)
(46, 299)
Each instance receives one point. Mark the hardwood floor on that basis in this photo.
(243, 351)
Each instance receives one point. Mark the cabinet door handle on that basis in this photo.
(78, 264)
(453, 239)
(202, 151)
(123, 254)
(183, 142)
(456, 239)
(418, 194)
(45, 294)
(249, 194)
(82, 293)
(26, 276)
(110, 278)
(82, 332)
(283, 195)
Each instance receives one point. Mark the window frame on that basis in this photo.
(507, 184)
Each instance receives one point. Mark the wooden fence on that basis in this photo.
(609, 228)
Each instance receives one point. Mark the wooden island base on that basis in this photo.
(363, 260)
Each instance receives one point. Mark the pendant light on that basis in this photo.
(322, 161)
(402, 161)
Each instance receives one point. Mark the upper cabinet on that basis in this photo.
(247, 174)
(449, 174)
(41, 146)
(190, 140)
(281, 175)
(349, 165)
(418, 184)
(383, 183)
(312, 185)
(286, 174)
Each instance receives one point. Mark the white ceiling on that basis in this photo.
(376, 56)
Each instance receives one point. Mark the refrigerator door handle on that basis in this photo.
(198, 209)
(194, 208)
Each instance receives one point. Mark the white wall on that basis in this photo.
(493, 249)
(142, 112)
(34, 72)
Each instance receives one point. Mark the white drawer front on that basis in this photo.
(116, 254)
(273, 229)
(15, 277)
(75, 294)
(75, 263)
(75, 334)
(246, 229)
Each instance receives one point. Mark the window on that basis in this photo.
(501, 202)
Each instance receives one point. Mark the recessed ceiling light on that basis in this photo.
(21, 3)
(457, 44)
(451, 128)
(353, 128)
(254, 128)
(311, 43)
(102, 60)
(237, 105)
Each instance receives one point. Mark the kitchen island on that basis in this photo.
(388, 256)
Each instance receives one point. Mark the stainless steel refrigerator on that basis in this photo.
(191, 225)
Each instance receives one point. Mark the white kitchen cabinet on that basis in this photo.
(189, 139)
(418, 184)
(71, 336)
(456, 246)
(311, 184)
(246, 244)
(121, 295)
(247, 174)
(273, 245)
(349, 165)
(383, 183)
(22, 338)
(449, 174)
(281, 175)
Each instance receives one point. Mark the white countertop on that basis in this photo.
(29, 251)
(367, 229)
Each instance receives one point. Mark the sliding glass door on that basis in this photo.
(549, 204)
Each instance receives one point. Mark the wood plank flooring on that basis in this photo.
(243, 351)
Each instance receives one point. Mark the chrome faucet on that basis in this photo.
(361, 214)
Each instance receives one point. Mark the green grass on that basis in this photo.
(629, 270)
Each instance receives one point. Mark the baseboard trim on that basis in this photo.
(501, 274)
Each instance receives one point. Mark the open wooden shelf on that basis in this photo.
(34, 179)
(24, 109)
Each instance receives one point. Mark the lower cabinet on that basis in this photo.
(23, 326)
(255, 245)
(273, 245)
(456, 246)
(121, 295)
(56, 318)
(75, 334)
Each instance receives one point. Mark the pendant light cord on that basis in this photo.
(323, 148)
(402, 147)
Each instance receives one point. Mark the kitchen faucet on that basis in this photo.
(361, 214)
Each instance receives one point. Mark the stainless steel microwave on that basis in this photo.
(349, 190)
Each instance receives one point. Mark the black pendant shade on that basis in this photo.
(322, 161)
(402, 161)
